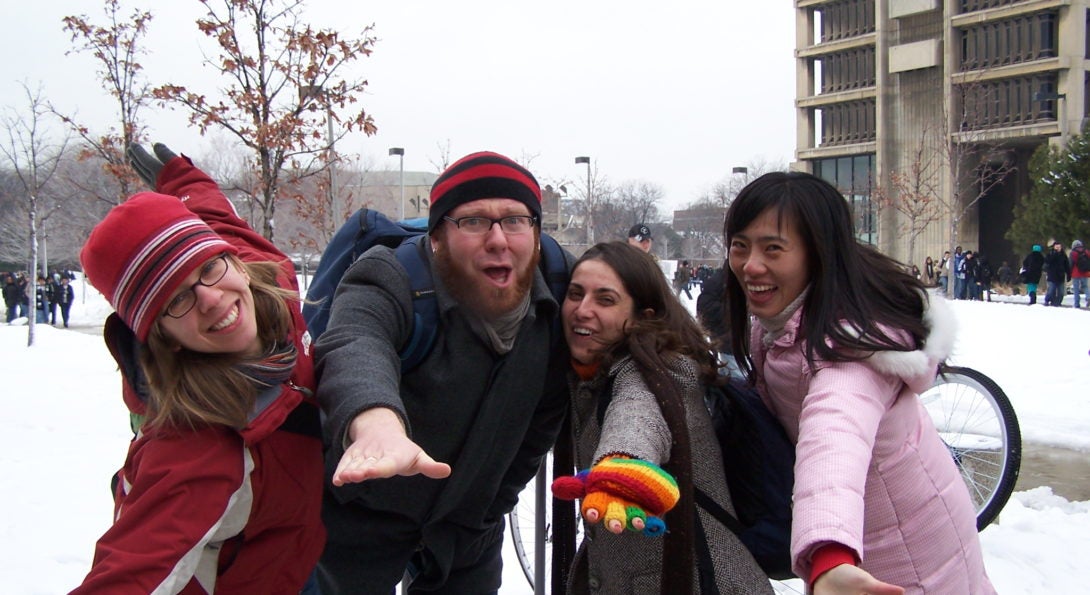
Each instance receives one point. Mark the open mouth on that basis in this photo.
(226, 321)
(499, 275)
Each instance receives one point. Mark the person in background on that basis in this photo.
(53, 284)
(929, 272)
(65, 296)
(1057, 274)
(839, 342)
(12, 296)
(41, 300)
(960, 285)
(1005, 276)
(221, 489)
(639, 235)
(1032, 266)
(640, 364)
(1080, 272)
(944, 273)
(682, 276)
(424, 464)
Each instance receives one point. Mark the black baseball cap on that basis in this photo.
(641, 232)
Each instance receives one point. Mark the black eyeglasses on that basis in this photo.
(511, 225)
(212, 272)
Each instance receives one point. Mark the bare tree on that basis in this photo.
(116, 46)
(618, 208)
(724, 191)
(289, 85)
(442, 161)
(34, 158)
(916, 191)
(594, 189)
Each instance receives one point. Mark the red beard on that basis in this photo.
(463, 283)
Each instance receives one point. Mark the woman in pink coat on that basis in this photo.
(841, 342)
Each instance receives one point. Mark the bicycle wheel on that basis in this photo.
(975, 419)
(522, 520)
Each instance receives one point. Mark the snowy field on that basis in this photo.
(64, 432)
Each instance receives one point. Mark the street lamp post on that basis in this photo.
(400, 152)
(590, 201)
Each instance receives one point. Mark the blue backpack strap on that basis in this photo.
(346, 245)
(554, 267)
(425, 306)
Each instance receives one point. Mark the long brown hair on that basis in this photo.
(190, 389)
(662, 331)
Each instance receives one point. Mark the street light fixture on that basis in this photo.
(740, 170)
(400, 152)
(590, 202)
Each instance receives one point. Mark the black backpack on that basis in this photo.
(367, 228)
(759, 463)
(1083, 261)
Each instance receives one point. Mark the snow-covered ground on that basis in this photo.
(64, 431)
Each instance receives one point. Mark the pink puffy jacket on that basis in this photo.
(871, 471)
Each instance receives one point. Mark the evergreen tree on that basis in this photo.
(1058, 205)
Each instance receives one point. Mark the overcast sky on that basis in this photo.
(673, 93)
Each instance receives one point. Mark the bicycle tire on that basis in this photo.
(956, 402)
(519, 540)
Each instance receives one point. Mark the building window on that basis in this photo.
(853, 177)
(851, 69)
(844, 19)
(974, 5)
(1005, 102)
(847, 123)
(1016, 40)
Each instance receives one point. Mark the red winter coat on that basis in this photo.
(215, 509)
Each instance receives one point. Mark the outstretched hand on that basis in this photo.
(146, 165)
(381, 449)
(847, 579)
(622, 493)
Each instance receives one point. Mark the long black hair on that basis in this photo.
(858, 297)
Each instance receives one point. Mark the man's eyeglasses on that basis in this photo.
(212, 272)
(511, 225)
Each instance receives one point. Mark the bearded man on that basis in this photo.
(423, 465)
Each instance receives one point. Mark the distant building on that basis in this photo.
(381, 190)
(701, 230)
(878, 79)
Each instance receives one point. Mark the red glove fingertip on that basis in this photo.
(569, 488)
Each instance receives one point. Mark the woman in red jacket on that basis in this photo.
(221, 488)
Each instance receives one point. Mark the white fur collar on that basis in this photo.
(920, 365)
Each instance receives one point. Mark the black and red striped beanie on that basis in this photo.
(482, 175)
(140, 253)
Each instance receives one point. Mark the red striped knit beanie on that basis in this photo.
(482, 175)
(140, 253)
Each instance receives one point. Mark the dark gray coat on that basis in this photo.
(491, 417)
(633, 425)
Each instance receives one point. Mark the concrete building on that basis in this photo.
(925, 112)
(381, 190)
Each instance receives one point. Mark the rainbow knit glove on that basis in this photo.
(623, 490)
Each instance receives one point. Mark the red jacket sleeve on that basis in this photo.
(179, 498)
